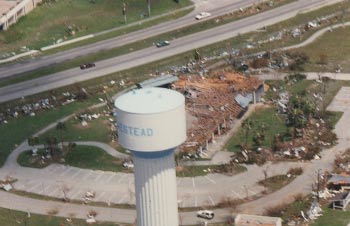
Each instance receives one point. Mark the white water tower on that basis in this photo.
(151, 124)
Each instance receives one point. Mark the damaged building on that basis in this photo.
(213, 102)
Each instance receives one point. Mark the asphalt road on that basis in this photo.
(220, 8)
(152, 54)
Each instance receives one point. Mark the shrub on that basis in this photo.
(296, 171)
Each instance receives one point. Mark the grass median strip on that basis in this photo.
(10, 217)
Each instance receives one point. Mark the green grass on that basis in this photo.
(26, 159)
(330, 42)
(332, 218)
(50, 21)
(276, 182)
(96, 130)
(121, 31)
(88, 157)
(202, 170)
(12, 217)
(274, 124)
(16, 131)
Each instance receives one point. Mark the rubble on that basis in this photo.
(315, 210)
(6, 186)
(212, 103)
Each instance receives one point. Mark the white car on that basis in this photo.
(128, 164)
(202, 15)
(207, 214)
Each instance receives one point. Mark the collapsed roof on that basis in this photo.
(211, 102)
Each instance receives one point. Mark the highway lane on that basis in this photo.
(151, 54)
(217, 9)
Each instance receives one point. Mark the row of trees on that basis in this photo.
(52, 143)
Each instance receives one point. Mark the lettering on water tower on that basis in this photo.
(134, 131)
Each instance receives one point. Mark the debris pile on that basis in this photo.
(212, 103)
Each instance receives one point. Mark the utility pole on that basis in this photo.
(149, 7)
(124, 12)
(318, 185)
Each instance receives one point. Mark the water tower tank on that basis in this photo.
(151, 124)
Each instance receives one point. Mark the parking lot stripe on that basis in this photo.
(76, 174)
(211, 200)
(98, 176)
(99, 196)
(193, 183)
(251, 191)
(236, 194)
(34, 188)
(121, 178)
(209, 179)
(66, 171)
(111, 198)
(75, 194)
(122, 199)
(52, 192)
(87, 175)
(110, 178)
(178, 181)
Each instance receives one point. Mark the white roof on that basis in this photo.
(149, 100)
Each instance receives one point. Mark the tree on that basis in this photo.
(32, 141)
(52, 147)
(60, 127)
(196, 55)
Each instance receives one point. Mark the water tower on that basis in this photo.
(151, 124)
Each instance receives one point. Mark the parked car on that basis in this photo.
(162, 43)
(87, 65)
(202, 15)
(207, 214)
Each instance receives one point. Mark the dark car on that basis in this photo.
(162, 43)
(88, 65)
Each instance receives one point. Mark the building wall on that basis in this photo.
(13, 14)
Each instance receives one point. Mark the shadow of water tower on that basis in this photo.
(151, 124)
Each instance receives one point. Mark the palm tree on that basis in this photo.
(51, 143)
(32, 141)
(60, 127)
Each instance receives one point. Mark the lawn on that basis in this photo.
(88, 157)
(18, 130)
(330, 42)
(202, 170)
(276, 182)
(55, 20)
(96, 130)
(12, 217)
(333, 218)
(308, 87)
(81, 156)
(272, 121)
(26, 159)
